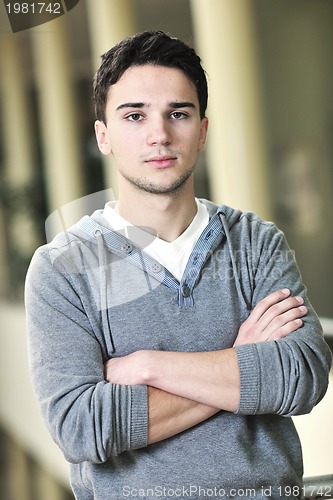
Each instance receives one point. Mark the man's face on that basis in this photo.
(153, 128)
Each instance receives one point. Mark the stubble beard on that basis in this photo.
(174, 188)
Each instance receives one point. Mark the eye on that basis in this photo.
(178, 115)
(134, 117)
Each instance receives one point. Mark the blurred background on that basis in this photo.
(270, 150)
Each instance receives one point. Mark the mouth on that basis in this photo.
(161, 161)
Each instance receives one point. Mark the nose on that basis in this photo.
(159, 133)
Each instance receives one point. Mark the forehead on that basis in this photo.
(152, 81)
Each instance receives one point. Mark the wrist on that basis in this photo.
(148, 366)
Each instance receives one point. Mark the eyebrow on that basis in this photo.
(173, 105)
(185, 104)
(131, 105)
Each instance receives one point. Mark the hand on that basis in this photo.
(273, 318)
(126, 370)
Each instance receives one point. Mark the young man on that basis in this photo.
(166, 363)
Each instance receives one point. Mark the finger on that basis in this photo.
(266, 303)
(290, 327)
(286, 323)
(275, 314)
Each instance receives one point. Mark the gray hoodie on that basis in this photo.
(91, 294)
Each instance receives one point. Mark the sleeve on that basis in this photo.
(88, 418)
(289, 376)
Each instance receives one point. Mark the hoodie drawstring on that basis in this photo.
(241, 294)
(106, 324)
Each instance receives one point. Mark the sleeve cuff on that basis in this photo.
(249, 369)
(139, 417)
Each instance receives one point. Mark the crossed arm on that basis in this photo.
(186, 388)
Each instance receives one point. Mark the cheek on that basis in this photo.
(124, 152)
(119, 143)
(190, 140)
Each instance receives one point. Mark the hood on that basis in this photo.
(95, 230)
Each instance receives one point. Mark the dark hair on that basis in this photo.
(149, 47)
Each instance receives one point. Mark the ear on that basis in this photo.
(103, 138)
(203, 134)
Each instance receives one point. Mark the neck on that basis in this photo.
(167, 215)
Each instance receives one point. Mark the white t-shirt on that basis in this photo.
(172, 255)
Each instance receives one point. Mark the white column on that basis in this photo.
(58, 114)
(19, 157)
(236, 156)
(109, 22)
(16, 125)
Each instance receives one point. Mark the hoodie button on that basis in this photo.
(196, 258)
(126, 248)
(186, 291)
(156, 267)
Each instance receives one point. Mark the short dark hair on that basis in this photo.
(149, 47)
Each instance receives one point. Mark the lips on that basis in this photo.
(161, 161)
